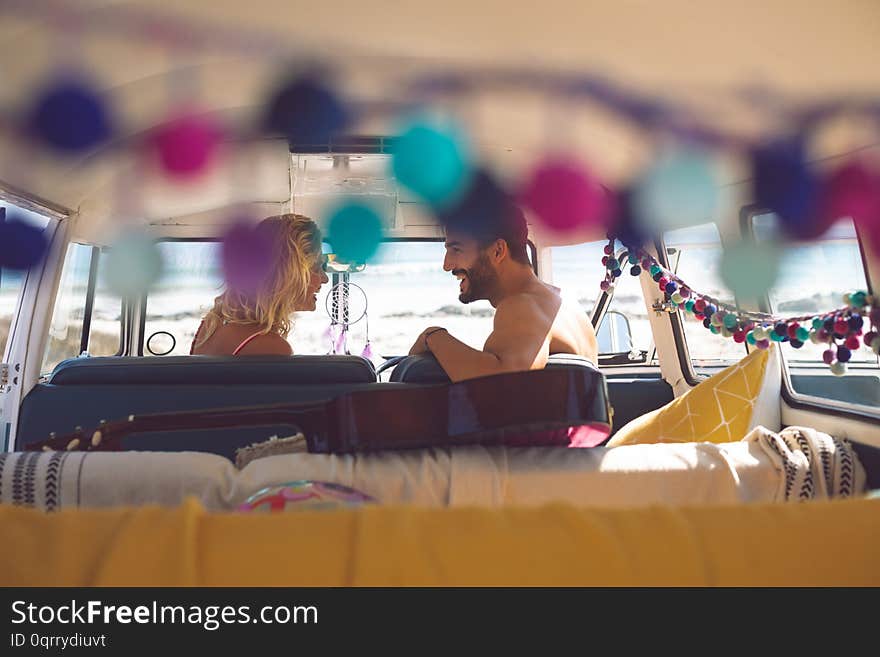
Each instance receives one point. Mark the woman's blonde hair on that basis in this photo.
(295, 250)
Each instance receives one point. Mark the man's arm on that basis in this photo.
(519, 342)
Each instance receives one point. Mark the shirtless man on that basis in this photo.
(531, 319)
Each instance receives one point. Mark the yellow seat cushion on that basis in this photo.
(723, 408)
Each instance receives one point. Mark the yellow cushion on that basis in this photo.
(554, 545)
(720, 409)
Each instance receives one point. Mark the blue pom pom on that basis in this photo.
(784, 184)
(616, 273)
(305, 112)
(843, 354)
(69, 116)
(671, 287)
(22, 245)
(781, 328)
(855, 322)
(710, 310)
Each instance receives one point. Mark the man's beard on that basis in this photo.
(481, 279)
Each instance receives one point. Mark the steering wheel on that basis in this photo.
(388, 364)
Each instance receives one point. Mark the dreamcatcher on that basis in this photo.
(346, 305)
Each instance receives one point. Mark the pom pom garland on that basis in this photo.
(841, 329)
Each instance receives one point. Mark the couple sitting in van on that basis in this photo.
(487, 256)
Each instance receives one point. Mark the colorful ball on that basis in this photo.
(432, 159)
(730, 320)
(838, 368)
(710, 310)
(671, 287)
(841, 326)
(749, 269)
(802, 334)
(565, 195)
(612, 263)
(858, 299)
(689, 305)
(780, 328)
(305, 112)
(853, 191)
(828, 356)
(305, 495)
(750, 337)
(69, 116)
(680, 190)
(355, 232)
(869, 338)
(22, 244)
(186, 145)
(245, 255)
(604, 285)
(843, 354)
(700, 305)
(797, 344)
(635, 270)
(785, 184)
(608, 249)
(677, 298)
(134, 264)
(852, 343)
(739, 337)
(763, 344)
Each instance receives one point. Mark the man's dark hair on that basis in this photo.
(485, 212)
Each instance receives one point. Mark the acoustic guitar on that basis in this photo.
(563, 406)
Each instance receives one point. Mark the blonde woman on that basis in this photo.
(258, 323)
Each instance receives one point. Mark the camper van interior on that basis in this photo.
(700, 182)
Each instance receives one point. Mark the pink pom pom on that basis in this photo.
(604, 285)
(828, 356)
(186, 145)
(565, 196)
(853, 190)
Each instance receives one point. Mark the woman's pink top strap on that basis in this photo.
(244, 343)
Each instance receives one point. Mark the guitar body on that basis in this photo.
(561, 407)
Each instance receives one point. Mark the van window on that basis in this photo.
(12, 281)
(694, 253)
(191, 279)
(813, 278)
(404, 291)
(86, 316)
(407, 291)
(578, 271)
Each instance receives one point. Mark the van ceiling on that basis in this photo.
(697, 54)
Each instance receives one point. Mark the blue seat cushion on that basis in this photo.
(208, 370)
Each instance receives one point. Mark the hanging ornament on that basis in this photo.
(355, 232)
(853, 191)
(305, 112)
(134, 265)
(69, 116)
(680, 190)
(22, 245)
(246, 256)
(431, 159)
(749, 269)
(186, 145)
(784, 183)
(565, 196)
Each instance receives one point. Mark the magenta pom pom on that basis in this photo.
(565, 196)
(828, 356)
(246, 257)
(852, 191)
(186, 145)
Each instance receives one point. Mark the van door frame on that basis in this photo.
(29, 329)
